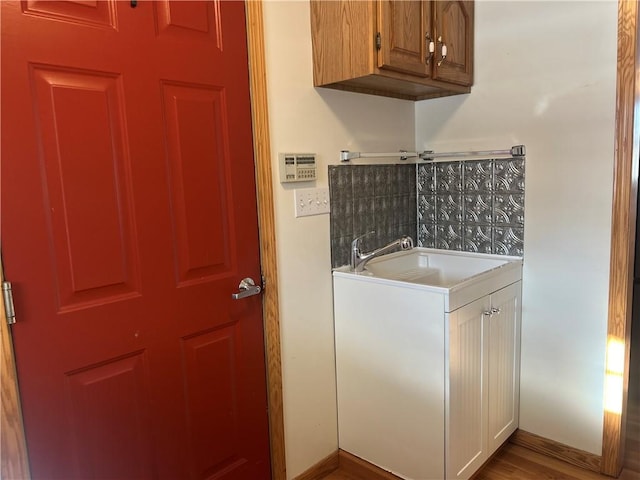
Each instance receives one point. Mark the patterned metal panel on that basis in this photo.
(370, 198)
(475, 206)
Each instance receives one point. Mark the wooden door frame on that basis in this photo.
(271, 308)
(13, 449)
(623, 232)
(14, 462)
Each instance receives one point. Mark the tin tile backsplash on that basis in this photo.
(475, 206)
(365, 198)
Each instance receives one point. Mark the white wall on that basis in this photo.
(304, 119)
(545, 77)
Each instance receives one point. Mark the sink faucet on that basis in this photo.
(359, 260)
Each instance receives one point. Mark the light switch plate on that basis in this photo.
(311, 201)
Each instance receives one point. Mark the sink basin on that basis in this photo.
(460, 276)
(430, 268)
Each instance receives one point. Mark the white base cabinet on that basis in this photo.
(425, 393)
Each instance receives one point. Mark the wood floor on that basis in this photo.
(518, 463)
(514, 462)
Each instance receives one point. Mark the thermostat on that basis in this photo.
(297, 167)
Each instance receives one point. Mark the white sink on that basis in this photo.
(462, 276)
(430, 268)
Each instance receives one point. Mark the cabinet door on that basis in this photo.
(453, 27)
(504, 364)
(467, 413)
(403, 28)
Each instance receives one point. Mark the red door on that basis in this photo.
(128, 220)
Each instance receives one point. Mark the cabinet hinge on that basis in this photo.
(378, 41)
(7, 297)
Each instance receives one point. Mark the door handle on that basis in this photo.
(431, 47)
(246, 288)
(443, 50)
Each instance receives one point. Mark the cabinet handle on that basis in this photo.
(495, 310)
(443, 51)
(491, 312)
(431, 47)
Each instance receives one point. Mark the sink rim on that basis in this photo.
(507, 263)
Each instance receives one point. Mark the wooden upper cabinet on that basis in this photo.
(453, 30)
(381, 47)
(402, 28)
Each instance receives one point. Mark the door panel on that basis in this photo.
(128, 219)
(94, 250)
(195, 125)
(209, 360)
(110, 425)
(189, 19)
(87, 12)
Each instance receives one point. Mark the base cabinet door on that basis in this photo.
(483, 381)
(467, 406)
(504, 364)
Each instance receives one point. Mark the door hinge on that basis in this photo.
(378, 41)
(7, 297)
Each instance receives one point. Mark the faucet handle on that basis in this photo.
(355, 244)
(355, 249)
